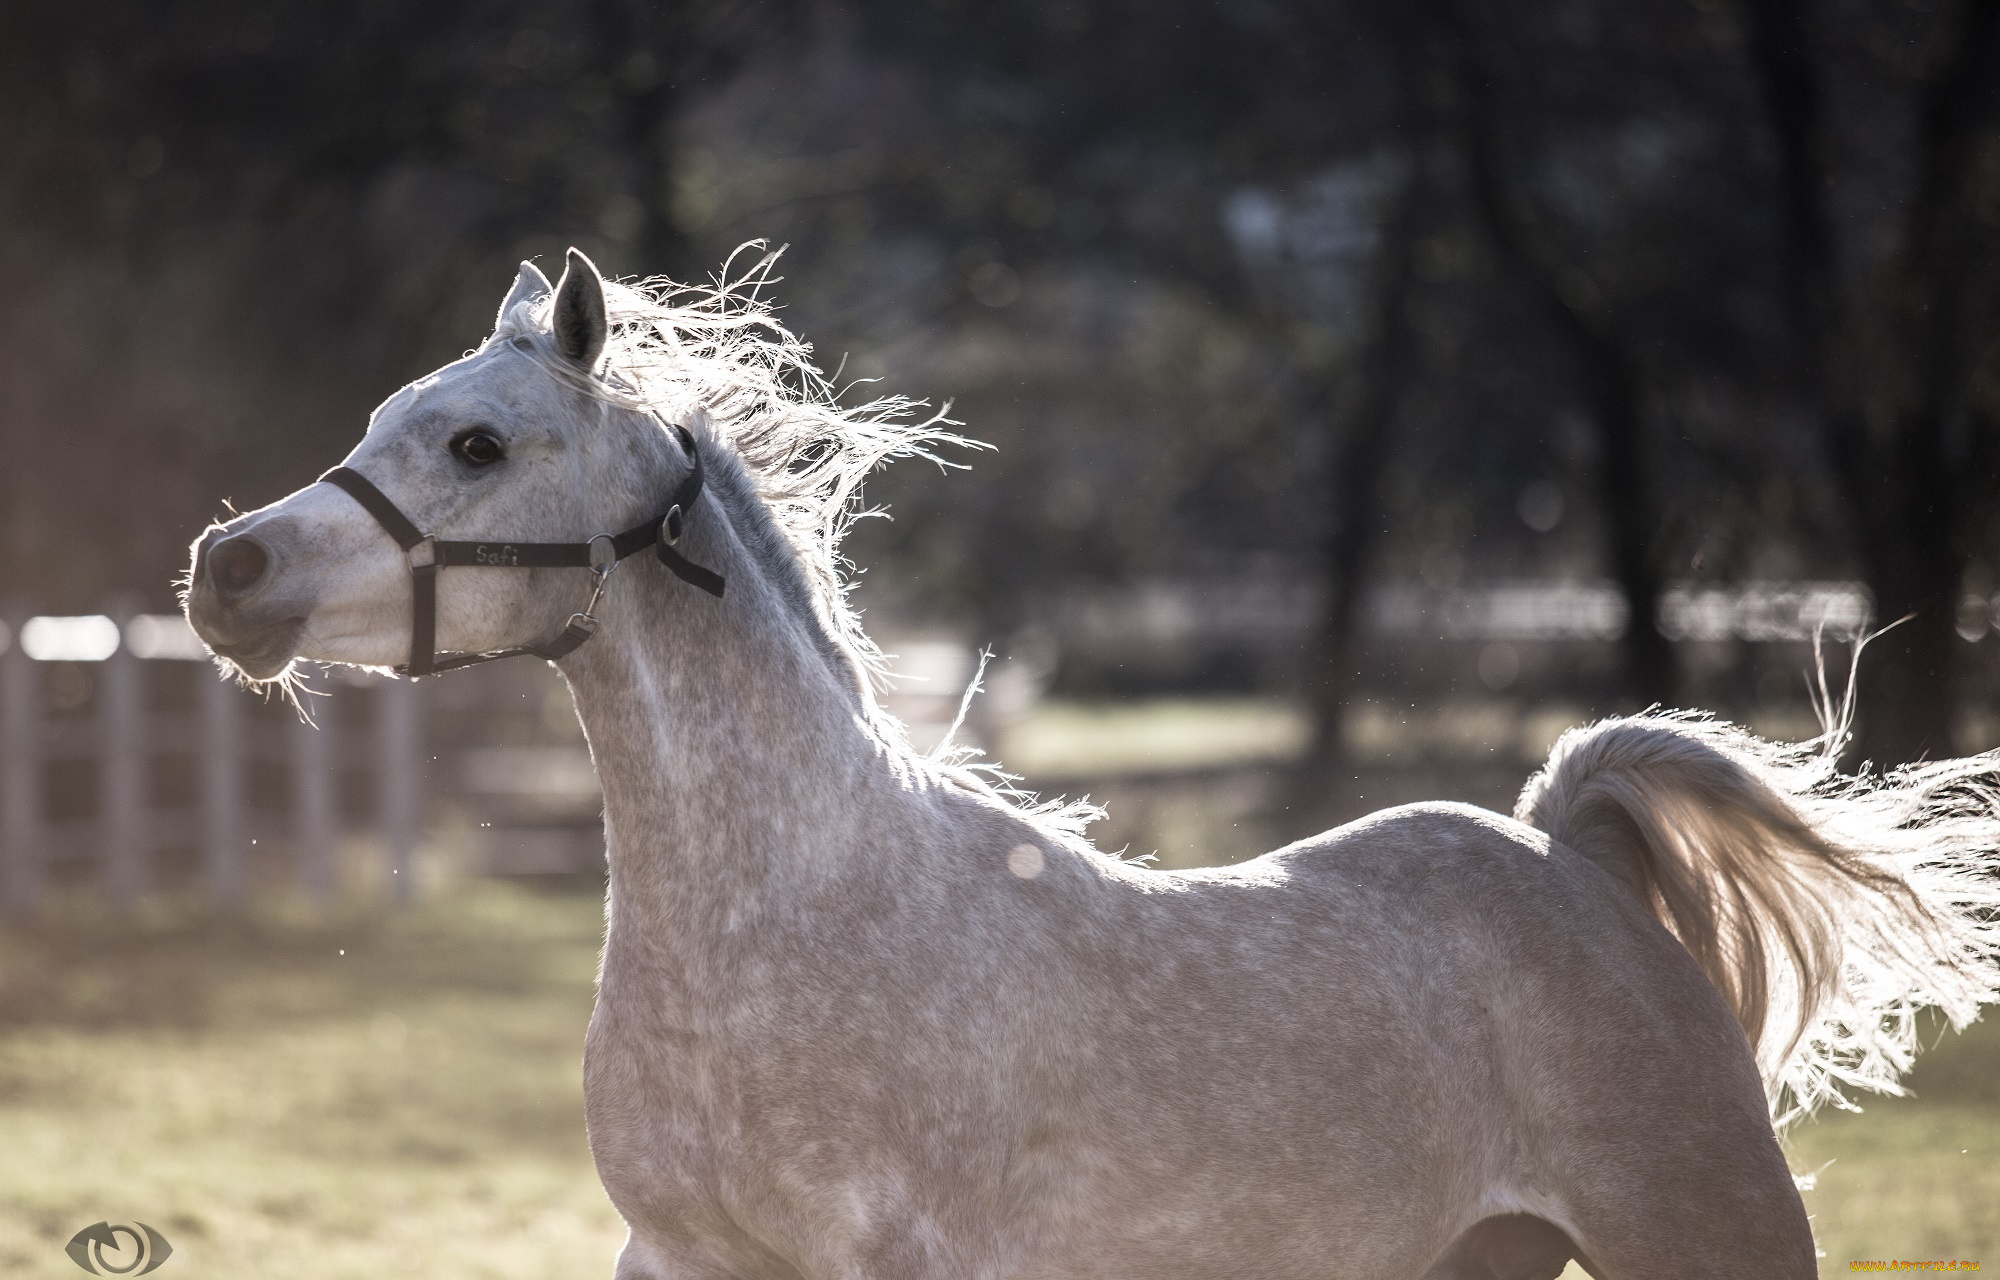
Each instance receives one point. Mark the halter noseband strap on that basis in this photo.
(427, 555)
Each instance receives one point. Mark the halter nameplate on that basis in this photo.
(427, 556)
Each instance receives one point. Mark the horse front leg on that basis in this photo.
(639, 1260)
(898, 1258)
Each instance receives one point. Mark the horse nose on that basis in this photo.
(238, 564)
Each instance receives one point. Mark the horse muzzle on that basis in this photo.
(233, 608)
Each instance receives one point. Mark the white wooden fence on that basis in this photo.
(111, 739)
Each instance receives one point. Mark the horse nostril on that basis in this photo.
(239, 563)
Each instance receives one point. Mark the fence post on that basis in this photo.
(124, 748)
(222, 788)
(399, 781)
(21, 769)
(313, 794)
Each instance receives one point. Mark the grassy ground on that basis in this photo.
(368, 1097)
(1917, 1177)
(1099, 740)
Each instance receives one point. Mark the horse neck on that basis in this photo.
(736, 762)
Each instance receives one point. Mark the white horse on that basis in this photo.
(863, 1015)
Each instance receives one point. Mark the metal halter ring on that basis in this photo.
(426, 555)
(605, 558)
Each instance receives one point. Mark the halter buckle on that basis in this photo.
(671, 525)
(423, 554)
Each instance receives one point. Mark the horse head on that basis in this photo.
(523, 441)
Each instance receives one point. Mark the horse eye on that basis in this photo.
(479, 448)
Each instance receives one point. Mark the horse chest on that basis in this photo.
(682, 1125)
(745, 1138)
(655, 1091)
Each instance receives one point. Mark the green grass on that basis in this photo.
(1103, 740)
(1159, 735)
(413, 1108)
(274, 1107)
(1918, 1177)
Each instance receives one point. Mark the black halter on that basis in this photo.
(427, 555)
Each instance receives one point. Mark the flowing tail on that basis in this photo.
(1827, 909)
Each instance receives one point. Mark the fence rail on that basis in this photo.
(82, 729)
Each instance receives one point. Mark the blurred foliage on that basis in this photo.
(1317, 292)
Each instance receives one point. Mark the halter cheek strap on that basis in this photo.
(602, 554)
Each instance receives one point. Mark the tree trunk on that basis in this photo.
(1915, 571)
(1901, 359)
(1613, 391)
(1357, 474)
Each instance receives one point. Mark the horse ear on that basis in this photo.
(531, 283)
(578, 319)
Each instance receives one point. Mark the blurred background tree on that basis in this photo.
(1272, 310)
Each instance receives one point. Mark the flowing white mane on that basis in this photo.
(673, 348)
